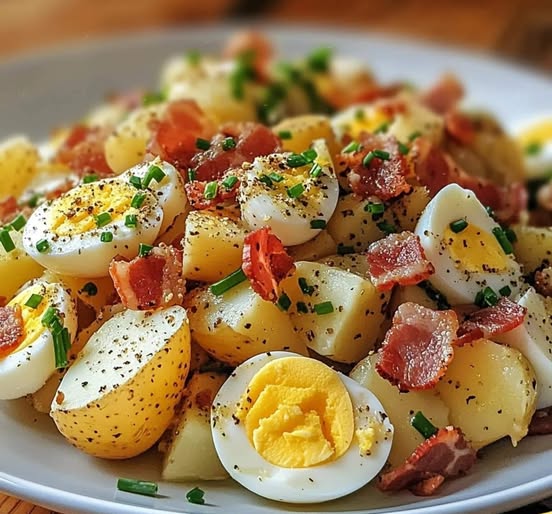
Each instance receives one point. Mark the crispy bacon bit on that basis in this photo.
(83, 150)
(398, 259)
(195, 192)
(265, 262)
(11, 329)
(8, 209)
(3, 301)
(384, 178)
(150, 282)
(418, 347)
(541, 424)
(460, 127)
(543, 281)
(444, 95)
(253, 42)
(175, 135)
(251, 139)
(372, 92)
(491, 321)
(444, 455)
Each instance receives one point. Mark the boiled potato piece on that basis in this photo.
(119, 396)
(16, 267)
(350, 330)
(239, 324)
(320, 246)
(18, 165)
(401, 407)
(490, 391)
(354, 263)
(189, 450)
(406, 210)
(533, 246)
(175, 232)
(304, 130)
(212, 246)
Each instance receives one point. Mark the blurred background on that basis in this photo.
(518, 29)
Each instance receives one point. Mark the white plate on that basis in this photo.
(41, 91)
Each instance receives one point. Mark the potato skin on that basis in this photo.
(123, 412)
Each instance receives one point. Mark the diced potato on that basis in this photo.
(353, 262)
(18, 161)
(350, 330)
(416, 294)
(320, 246)
(212, 245)
(16, 267)
(533, 246)
(239, 324)
(175, 232)
(304, 130)
(490, 391)
(138, 360)
(401, 407)
(406, 210)
(190, 453)
(106, 115)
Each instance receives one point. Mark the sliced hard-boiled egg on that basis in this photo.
(289, 428)
(294, 194)
(464, 245)
(535, 139)
(27, 368)
(534, 340)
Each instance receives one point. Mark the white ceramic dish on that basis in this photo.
(43, 90)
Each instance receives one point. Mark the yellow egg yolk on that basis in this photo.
(366, 122)
(368, 435)
(474, 250)
(539, 134)
(74, 212)
(297, 413)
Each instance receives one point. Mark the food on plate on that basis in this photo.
(197, 267)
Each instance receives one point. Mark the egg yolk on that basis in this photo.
(539, 133)
(474, 250)
(297, 413)
(366, 122)
(74, 212)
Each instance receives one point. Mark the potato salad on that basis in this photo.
(282, 273)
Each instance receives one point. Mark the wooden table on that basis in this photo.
(518, 29)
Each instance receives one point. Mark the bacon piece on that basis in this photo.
(460, 127)
(12, 329)
(398, 259)
(3, 301)
(491, 321)
(150, 282)
(8, 209)
(445, 454)
(265, 262)
(174, 136)
(444, 95)
(196, 196)
(418, 347)
(543, 281)
(253, 43)
(385, 179)
(252, 140)
(83, 150)
(541, 423)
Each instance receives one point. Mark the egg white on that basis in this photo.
(305, 485)
(537, 165)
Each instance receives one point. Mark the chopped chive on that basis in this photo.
(191, 174)
(203, 144)
(103, 218)
(316, 170)
(284, 302)
(154, 173)
(318, 224)
(403, 149)
(66, 340)
(142, 487)
(360, 115)
(305, 288)
(6, 241)
(138, 200)
(435, 295)
(243, 72)
(458, 225)
(131, 221)
(310, 154)
(43, 246)
(106, 237)
(296, 191)
(144, 249)
(211, 190)
(227, 283)
(285, 134)
(88, 179)
(368, 158)
(510, 234)
(152, 98)
(275, 177)
(423, 425)
(319, 60)
(382, 128)
(503, 240)
(344, 250)
(135, 181)
(323, 308)
(414, 135)
(193, 57)
(196, 495)
(34, 301)
(374, 208)
(228, 144)
(296, 160)
(302, 307)
(230, 182)
(48, 316)
(353, 146)
(486, 298)
(533, 148)
(60, 351)
(265, 179)
(386, 228)
(90, 289)
(505, 291)
(33, 201)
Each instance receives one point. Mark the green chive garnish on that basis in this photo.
(131, 221)
(318, 224)
(154, 173)
(370, 156)
(138, 200)
(203, 144)
(414, 135)
(193, 57)
(265, 179)
(48, 316)
(136, 181)
(230, 182)
(382, 128)
(152, 98)
(33, 201)
(60, 350)
(302, 307)
(374, 208)
(503, 240)
(284, 302)
(296, 191)
(486, 298)
(90, 289)
(344, 250)
(386, 228)
(104, 218)
(228, 144)
(285, 134)
(353, 146)
(34, 301)
(323, 308)
(296, 160)
(423, 425)
(403, 149)
(304, 286)
(319, 60)
(533, 148)
(196, 496)
(87, 179)
(275, 177)
(243, 72)
(6, 241)
(211, 190)
(227, 283)
(316, 170)
(142, 487)
(106, 237)
(458, 225)
(43, 246)
(510, 234)
(505, 291)
(191, 174)
(144, 249)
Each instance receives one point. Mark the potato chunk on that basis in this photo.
(533, 246)
(303, 130)
(320, 246)
(18, 165)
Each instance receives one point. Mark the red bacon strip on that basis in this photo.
(418, 347)
(11, 329)
(398, 259)
(150, 282)
(491, 321)
(543, 281)
(8, 209)
(541, 423)
(265, 262)
(460, 127)
(444, 455)
(444, 95)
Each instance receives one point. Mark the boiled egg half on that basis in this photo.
(535, 139)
